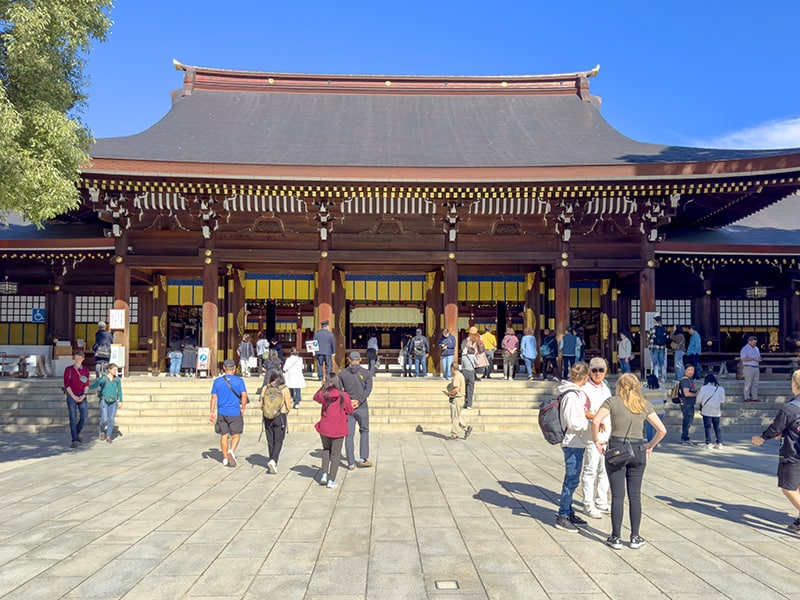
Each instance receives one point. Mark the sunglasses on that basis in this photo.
(598, 370)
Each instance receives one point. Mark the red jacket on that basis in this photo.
(333, 420)
(72, 379)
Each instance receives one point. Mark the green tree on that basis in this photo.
(43, 142)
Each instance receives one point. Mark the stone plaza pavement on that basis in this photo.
(160, 517)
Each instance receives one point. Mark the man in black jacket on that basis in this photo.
(786, 426)
(357, 382)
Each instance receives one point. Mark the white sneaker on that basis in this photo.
(709, 446)
(605, 509)
(225, 462)
(231, 458)
(272, 467)
(331, 484)
(591, 511)
(324, 479)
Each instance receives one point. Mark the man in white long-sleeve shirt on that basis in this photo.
(594, 464)
(574, 405)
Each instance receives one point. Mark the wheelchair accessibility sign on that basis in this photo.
(37, 315)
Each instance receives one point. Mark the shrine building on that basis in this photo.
(269, 202)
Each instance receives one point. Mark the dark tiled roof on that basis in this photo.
(394, 129)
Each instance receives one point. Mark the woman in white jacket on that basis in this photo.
(710, 398)
(293, 372)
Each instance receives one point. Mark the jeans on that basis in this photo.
(659, 361)
(679, 368)
(490, 367)
(528, 365)
(107, 414)
(276, 433)
(708, 423)
(469, 387)
(295, 395)
(447, 362)
(100, 365)
(328, 360)
(573, 461)
(567, 361)
(594, 473)
(175, 359)
(421, 366)
(78, 413)
(372, 358)
(687, 408)
(360, 416)
(624, 365)
(630, 476)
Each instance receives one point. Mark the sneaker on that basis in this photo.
(604, 508)
(224, 462)
(718, 445)
(351, 467)
(74, 444)
(794, 526)
(108, 440)
(364, 463)
(324, 479)
(467, 431)
(563, 523)
(296, 406)
(614, 542)
(710, 446)
(272, 467)
(331, 484)
(102, 436)
(576, 520)
(637, 542)
(231, 458)
(80, 439)
(592, 512)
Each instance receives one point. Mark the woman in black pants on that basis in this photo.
(629, 410)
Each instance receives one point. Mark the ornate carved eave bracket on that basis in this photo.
(451, 219)
(207, 214)
(324, 218)
(112, 207)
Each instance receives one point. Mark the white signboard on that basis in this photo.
(312, 346)
(203, 355)
(117, 355)
(116, 318)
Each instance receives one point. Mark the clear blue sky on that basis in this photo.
(706, 72)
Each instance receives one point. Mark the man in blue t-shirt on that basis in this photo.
(228, 401)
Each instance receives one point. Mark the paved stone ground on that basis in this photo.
(160, 517)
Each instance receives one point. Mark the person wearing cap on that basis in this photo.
(357, 383)
(102, 348)
(420, 349)
(228, 401)
(327, 349)
(657, 343)
(595, 504)
(456, 392)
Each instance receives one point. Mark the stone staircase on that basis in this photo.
(162, 404)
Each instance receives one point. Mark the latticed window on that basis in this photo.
(752, 313)
(91, 309)
(672, 311)
(19, 309)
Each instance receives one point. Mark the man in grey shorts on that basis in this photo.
(228, 401)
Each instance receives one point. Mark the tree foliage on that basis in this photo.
(43, 142)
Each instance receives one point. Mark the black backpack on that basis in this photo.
(418, 346)
(660, 335)
(550, 420)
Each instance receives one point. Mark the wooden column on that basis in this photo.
(647, 297)
(324, 293)
(211, 312)
(434, 317)
(122, 294)
(339, 321)
(534, 291)
(708, 321)
(235, 315)
(793, 324)
(450, 298)
(562, 282)
(606, 312)
(59, 312)
(160, 341)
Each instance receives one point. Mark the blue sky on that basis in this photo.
(704, 73)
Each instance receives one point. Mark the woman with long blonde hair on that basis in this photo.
(629, 410)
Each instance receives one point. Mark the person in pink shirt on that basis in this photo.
(332, 425)
(76, 383)
(510, 345)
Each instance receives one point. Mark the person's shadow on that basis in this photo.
(213, 454)
(757, 517)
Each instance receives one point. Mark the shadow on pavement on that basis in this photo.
(22, 447)
(757, 517)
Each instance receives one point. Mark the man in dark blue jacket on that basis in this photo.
(357, 382)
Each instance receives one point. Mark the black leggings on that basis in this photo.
(630, 476)
(276, 433)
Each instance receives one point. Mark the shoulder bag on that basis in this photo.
(621, 455)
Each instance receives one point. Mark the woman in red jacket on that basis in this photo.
(332, 425)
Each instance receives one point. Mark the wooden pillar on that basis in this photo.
(159, 327)
(534, 292)
(450, 299)
(647, 297)
(324, 292)
(606, 312)
(434, 317)
(339, 320)
(793, 323)
(235, 318)
(708, 321)
(211, 312)
(562, 283)
(59, 312)
(122, 294)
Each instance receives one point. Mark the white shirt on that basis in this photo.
(597, 395)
